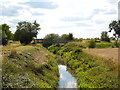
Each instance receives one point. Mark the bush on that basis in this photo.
(78, 50)
(54, 48)
(92, 44)
(50, 39)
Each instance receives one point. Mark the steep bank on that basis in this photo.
(29, 67)
(89, 70)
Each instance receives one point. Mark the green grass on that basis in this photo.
(90, 71)
(20, 70)
(106, 45)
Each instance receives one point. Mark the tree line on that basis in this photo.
(27, 31)
(55, 38)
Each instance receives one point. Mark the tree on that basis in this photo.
(115, 26)
(105, 37)
(112, 38)
(5, 33)
(26, 31)
(70, 37)
(67, 37)
(0, 34)
(5, 28)
(50, 39)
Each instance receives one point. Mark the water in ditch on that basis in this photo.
(66, 79)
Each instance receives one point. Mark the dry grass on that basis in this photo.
(21, 71)
(13, 52)
(109, 53)
(12, 49)
(41, 57)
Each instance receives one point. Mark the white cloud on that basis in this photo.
(83, 18)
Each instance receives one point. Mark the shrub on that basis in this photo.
(54, 48)
(78, 50)
(92, 44)
(51, 39)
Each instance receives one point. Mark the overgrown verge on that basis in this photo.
(90, 71)
(30, 67)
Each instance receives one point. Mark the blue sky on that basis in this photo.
(83, 18)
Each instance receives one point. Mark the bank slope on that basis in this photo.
(29, 67)
(90, 71)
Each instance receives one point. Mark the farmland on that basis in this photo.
(110, 53)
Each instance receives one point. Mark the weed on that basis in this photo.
(91, 71)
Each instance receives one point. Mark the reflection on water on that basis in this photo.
(66, 79)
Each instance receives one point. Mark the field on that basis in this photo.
(110, 53)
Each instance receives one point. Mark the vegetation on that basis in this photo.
(115, 26)
(55, 38)
(106, 45)
(67, 37)
(26, 31)
(90, 71)
(6, 34)
(51, 39)
(32, 66)
(29, 67)
(92, 44)
(105, 37)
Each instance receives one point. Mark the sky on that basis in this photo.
(83, 18)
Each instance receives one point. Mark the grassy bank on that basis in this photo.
(29, 67)
(90, 71)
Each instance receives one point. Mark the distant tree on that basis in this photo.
(26, 31)
(115, 26)
(4, 38)
(6, 33)
(97, 38)
(0, 34)
(50, 39)
(105, 37)
(6, 28)
(70, 37)
(67, 37)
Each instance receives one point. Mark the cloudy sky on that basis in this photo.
(83, 18)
